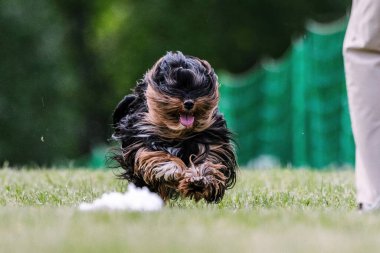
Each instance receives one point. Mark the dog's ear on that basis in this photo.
(122, 109)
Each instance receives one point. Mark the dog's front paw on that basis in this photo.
(194, 184)
(193, 187)
(168, 172)
(205, 181)
(198, 182)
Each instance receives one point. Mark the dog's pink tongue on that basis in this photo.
(186, 119)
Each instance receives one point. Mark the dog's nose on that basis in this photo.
(188, 104)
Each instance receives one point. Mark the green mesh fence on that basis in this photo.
(294, 109)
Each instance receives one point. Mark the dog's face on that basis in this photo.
(182, 94)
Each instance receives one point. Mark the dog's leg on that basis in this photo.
(206, 181)
(159, 170)
(209, 177)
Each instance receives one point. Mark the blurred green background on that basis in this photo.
(64, 65)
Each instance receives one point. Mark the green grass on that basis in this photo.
(267, 211)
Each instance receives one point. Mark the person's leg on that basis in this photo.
(362, 65)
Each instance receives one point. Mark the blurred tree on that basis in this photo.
(37, 119)
(94, 90)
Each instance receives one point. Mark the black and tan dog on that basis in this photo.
(173, 139)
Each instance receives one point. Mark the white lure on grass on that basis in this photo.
(134, 199)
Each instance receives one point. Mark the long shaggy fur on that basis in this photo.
(194, 159)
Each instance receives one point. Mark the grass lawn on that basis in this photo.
(267, 211)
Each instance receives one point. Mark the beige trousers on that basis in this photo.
(361, 52)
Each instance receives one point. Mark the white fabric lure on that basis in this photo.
(134, 199)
